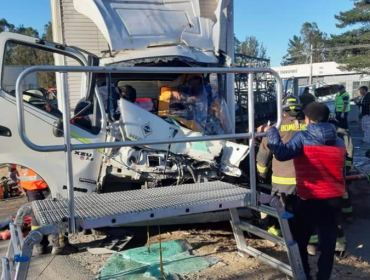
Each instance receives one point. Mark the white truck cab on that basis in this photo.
(138, 34)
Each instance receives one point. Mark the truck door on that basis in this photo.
(41, 112)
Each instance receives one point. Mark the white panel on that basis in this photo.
(81, 31)
(303, 70)
(208, 8)
(136, 25)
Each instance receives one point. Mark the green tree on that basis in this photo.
(48, 32)
(29, 31)
(28, 56)
(348, 47)
(295, 51)
(19, 54)
(237, 43)
(299, 47)
(252, 47)
(255, 51)
(5, 25)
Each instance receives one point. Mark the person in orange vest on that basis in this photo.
(37, 189)
(34, 186)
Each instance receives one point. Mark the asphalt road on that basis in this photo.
(44, 267)
(48, 267)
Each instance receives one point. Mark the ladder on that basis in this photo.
(101, 210)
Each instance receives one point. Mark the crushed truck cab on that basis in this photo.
(167, 106)
(104, 170)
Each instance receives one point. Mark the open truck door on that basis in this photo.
(20, 52)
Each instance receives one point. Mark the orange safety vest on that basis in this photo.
(164, 109)
(31, 181)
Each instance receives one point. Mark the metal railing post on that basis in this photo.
(279, 99)
(252, 151)
(68, 154)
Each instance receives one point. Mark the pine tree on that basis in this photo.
(17, 54)
(5, 25)
(251, 47)
(295, 51)
(353, 58)
(299, 47)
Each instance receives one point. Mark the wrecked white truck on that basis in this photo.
(167, 106)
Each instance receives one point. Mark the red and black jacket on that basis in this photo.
(319, 160)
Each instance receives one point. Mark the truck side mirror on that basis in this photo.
(58, 128)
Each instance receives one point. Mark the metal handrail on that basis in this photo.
(137, 70)
(68, 147)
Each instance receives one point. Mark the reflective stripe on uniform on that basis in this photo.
(34, 227)
(342, 240)
(339, 102)
(274, 231)
(284, 180)
(262, 169)
(345, 196)
(347, 210)
(293, 127)
(349, 163)
(30, 180)
(314, 239)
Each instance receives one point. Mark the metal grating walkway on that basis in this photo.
(139, 205)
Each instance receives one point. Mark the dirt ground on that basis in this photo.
(220, 243)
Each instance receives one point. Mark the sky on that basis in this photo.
(273, 22)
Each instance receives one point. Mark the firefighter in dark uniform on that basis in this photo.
(283, 173)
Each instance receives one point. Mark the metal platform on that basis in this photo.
(113, 209)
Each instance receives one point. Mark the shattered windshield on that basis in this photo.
(199, 106)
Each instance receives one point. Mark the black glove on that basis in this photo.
(261, 178)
